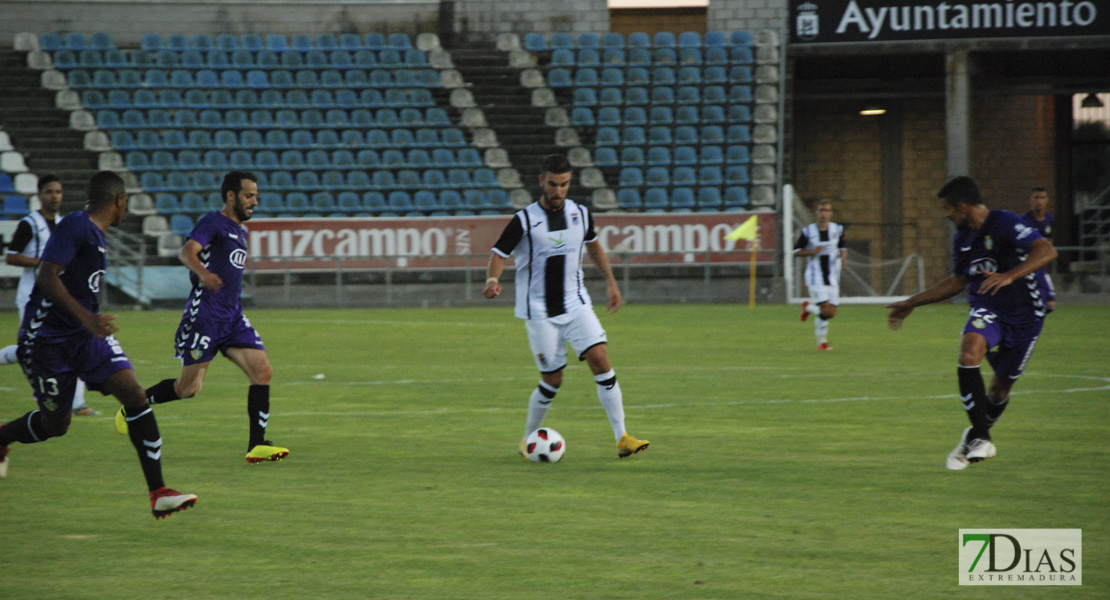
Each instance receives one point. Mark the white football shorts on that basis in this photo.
(825, 293)
(548, 338)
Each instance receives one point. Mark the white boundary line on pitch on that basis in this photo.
(382, 322)
(445, 411)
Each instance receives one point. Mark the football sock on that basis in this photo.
(143, 431)
(162, 392)
(9, 355)
(973, 393)
(994, 409)
(538, 404)
(609, 392)
(821, 329)
(258, 410)
(813, 309)
(27, 429)
(79, 395)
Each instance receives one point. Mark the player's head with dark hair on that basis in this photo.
(555, 181)
(1038, 189)
(244, 194)
(961, 190)
(107, 194)
(556, 164)
(104, 188)
(233, 182)
(823, 209)
(46, 180)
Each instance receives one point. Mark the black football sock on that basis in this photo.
(143, 431)
(973, 393)
(995, 409)
(27, 429)
(258, 409)
(162, 392)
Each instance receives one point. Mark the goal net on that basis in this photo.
(863, 279)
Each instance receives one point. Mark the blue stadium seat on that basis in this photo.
(384, 180)
(353, 138)
(664, 39)
(270, 203)
(629, 199)
(181, 224)
(434, 179)
(444, 158)
(279, 139)
(373, 201)
(710, 155)
(485, 178)
(633, 136)
(562, 58)
(639, 39)
(400, 41)
(638, 76)
(343, 159)
(585, 97)
(739, 113)
(588, 57)
(347, 41)
(682, 197)
(609, 115)
(689, 57)
(663, 76)
(137, 160)
(658, 177)
(689, 76)
(476, 199)
(117, 99)
(737, 175)
(658, 156)
(450, 200)
(735, 75)
(368, 159)
(613, 57)
(636, 96)
(709, 176)
(65, 59)
(639, 57)
(709, 197)
(425, 201)
(661, 115)
(612, 40)
(317, 159)
(282, 180)
(634, 115)
(400, 201)
(664, 57)
(121, 140)
(166, 203)
(608, 96)
(349, 202)
(712, 134)
(307, 180)
(358, 180)
(151, 42)
(740, 55)
(176, 42)
(297, 202)
(323, 201)
(168, 98)
(736, 197)
(588, 77)
(686, 115)
(716, 57)
(241, 160)
(655, 198)
(52, 42)
(713, 114)
(606, 136)
(737, 155)
(714, 94)
(277, 43)
(740, 94)
(181, 118)
(267, 160)
(632, 157)
(189, 160)
(605, 157)
(739, 134)
(631, 177)
(193, 202)
(688, 94)
(685, 176)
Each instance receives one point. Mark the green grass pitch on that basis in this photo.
(775, 471)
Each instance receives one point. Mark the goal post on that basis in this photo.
(863, 279)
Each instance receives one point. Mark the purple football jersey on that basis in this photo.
(79, 246)
(1002, 243)
(224, 252)
(1044, 226)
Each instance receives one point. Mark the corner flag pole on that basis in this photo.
(748, 231)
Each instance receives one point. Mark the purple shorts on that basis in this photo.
(53, 368)
(198, 341)
(1010, 344)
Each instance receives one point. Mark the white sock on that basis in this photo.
(538, 404)
(821, 328)
(609, 393)
(8, 355)
(79, 396)
(813, 309)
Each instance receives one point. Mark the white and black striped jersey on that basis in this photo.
(30, 239)
(823, 268)
(547, 248)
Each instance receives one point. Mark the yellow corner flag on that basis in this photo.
(743, 232)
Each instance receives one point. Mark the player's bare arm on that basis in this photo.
(50, 282)
(493, 273)
(944, 290)
(18, 260)
(1042, 253)
(189, 256)
(601, 261)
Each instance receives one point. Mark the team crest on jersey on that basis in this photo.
(988, 242)
(196, 353)
(574, 218)
(978, 324)
(50, 405)
(542, 359)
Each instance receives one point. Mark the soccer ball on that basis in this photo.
(545, 445)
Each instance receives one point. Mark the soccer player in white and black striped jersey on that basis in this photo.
(546, 240)
(823, 243)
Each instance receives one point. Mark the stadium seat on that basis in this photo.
(612, 40)
(682, 197)
(712, 134)
(657, 177)
(685, 176)
(608, 96)
(661, 115)
(638, 76)
(639, 39)
(375, 41)
(297, 202)
(709, 198)
(609, 116)
(711, 155)
(631, 177)
(739, 113)
(737, 155)
(633, 136)
(712, 114)
(658, 155)
(739, 134)
(562, 58)
(606, 136)
(634, 115)
(663, 39)
(737, 175)
(736, 197)
(639, 57)
(735, 75)
(636, 96)
(349, 202)
(585, 97)
(373, 201)
(347, 41)
(605, 157)
(716, 57)
(740, 55)
(632, 157)
(664, 57)
(400, 201)
(689, 57)
(655, 198)
(710, 176)
(181, 224)
(629, 199)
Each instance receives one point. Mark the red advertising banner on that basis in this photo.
(436, 243)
